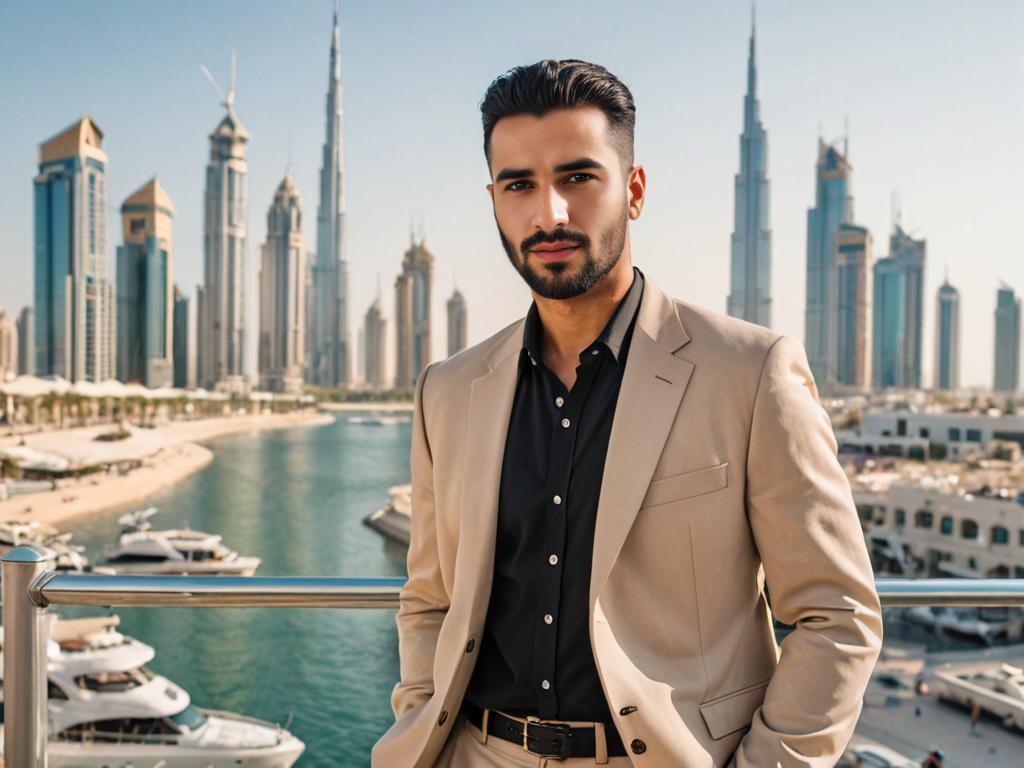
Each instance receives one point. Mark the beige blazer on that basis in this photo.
(721, 479)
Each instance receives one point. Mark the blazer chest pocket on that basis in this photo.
(686, 485)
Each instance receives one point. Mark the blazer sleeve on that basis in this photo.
(817, 571)
(423, 601)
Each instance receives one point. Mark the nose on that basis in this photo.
(552, 210)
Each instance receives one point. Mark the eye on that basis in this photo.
(578, 178)
(517, 186)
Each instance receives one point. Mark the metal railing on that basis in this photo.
(30, 588)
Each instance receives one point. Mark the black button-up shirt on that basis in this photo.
(535, 654)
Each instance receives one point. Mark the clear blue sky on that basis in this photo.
(933, 91)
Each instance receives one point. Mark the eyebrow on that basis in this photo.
(584, 163)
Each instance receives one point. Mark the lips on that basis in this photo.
(554, 251)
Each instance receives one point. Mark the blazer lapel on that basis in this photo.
(490, 408)
(652, 388)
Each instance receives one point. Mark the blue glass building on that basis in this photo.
(898, 317)
(145, 324)
(947, 338)
(1006, 376)
(73, 298)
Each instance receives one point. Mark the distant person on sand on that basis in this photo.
(934, 759)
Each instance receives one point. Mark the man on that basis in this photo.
(603, 491)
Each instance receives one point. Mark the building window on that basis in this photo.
(969, 530)
(972, 563)
(901, 520)
(954, 434)
(1021, 535)
(901, 427)
(947, 525)
(923, 432)
(1018, 572)
(973, 435)
(137, 225)
(1000, 535)
(923, 519)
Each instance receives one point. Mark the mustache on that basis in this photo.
(556, 235)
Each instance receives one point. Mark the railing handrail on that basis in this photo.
(54, 588)
(30, 586)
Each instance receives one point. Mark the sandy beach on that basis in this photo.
(168, 453)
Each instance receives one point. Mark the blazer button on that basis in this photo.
(637, 746)
(469, 646)
(444, 716)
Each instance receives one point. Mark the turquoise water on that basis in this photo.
(295, 498)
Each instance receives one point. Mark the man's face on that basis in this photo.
(561, 198)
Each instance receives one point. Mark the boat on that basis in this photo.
(996, 686)
(107, 709)
(143, 550)
(379, 420)
(862, 753)
(54, 545)
(393, 519)
(988, 625)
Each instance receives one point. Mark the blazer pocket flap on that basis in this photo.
(733, 711)
(688, 484)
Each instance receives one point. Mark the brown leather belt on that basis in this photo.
(545, 738)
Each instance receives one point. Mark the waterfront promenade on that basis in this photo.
(167, 454)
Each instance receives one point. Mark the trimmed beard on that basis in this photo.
(591, 271)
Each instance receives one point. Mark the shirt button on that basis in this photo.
(548, 618)
(553, 559)
(557, 499)
(559, 401)
(593, 351)
(546, 685)
(565, 423)
(638, 746)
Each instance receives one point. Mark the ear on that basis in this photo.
(490, 191)
(637, 189)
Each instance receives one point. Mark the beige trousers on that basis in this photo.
(466, 749)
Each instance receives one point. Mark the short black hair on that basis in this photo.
(537, 89)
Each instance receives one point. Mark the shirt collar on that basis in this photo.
(614, 335)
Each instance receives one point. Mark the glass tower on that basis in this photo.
(751, 247)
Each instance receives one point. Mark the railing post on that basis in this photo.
(25, 639)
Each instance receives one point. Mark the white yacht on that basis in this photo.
(18, 533)
(997, 686)
(108, 710)
(143, 550)
(379, 420)
(989, 625)
(393, 519)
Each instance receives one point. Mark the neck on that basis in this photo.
(569, 325)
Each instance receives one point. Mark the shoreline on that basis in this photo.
(168, 453)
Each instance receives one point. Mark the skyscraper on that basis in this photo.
(456, 306)
(283, 293)
(74, 325)
(751, 250)
(26, 342)
(833, 206)
(145, 310)
(8, 347)
(412, 314)
(221, 334)
(330, 364)
(897, 327)
(374, 336)
(1007, 351)
(853, 298)
(184, 358)
(947, 337)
